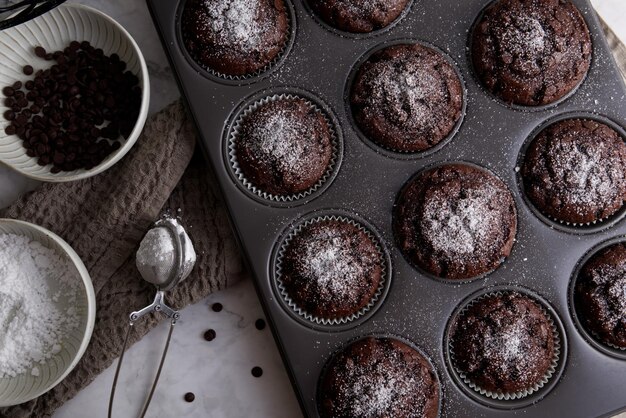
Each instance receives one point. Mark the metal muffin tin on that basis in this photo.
(492, 135)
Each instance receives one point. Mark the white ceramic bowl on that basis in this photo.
(54, 31)
(22, 388)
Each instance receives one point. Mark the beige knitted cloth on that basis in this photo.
(104, 218)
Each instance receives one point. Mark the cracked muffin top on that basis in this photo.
(601, 295)
(503, 343)
(574, 171)
(531, 52)
(235, 37)
(455, 221)
(407, 98)
(379, 377)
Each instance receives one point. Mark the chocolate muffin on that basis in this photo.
(407, 98)
(600, 295)
(574, 171)
(235, 37)
(284, 147)
(531, 52)
(503, 343)
(358, 16)
(331, 269)
(379, 377)
(455, 221)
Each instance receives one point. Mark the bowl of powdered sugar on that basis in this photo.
(47, 311)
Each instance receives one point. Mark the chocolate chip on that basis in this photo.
(190, 397)
(257, 371)
(8, 91)
(40, 52)
(9, 115)
(28, 69)
(260, 324)
(10, 130)
(217, 307)
(17, 85)
(210, 335)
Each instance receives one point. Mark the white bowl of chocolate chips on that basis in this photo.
(74, 94)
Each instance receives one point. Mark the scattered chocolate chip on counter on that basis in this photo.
(260, 324)
(190, 397)
(210, 335)
(257, 371)
(217, 307)
(72, 115)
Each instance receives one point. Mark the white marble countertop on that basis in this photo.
(217, 372)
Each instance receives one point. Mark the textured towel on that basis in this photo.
(104, 218)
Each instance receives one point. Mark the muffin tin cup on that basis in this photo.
(428, 274)
(564, 226)
(358, 35)
(380, 148)
(592, 337)
(239, 80)
(517, 399)
(335, 324)
(387, 335)
(251, 105)
(497, 99)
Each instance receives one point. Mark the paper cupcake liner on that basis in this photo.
(232, 154)
(616, 215)
(526, 392)
(260, 72)
(326, 321)
(602, 341)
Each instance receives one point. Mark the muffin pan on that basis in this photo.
(492, 135)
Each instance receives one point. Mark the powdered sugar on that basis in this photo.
(457, 227)
(617, 294)
(156, 256)
(332, 264)
(282, 138)
(373, 389)
(236, 23)
(507, 346)
(524, 37)
(35, 285)
(584, 172)
(406, 92)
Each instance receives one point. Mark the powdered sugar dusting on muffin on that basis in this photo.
(583, 172)
(458, 227)
(335, 268)
(236, 22)
(380, 377)
(284, 146)
(405, 92)
(509, 347)
(373, 389)
(281, 138)
(525, 38)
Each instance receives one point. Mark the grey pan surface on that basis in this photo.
(492, 135)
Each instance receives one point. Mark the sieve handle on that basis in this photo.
(157, 305)
(146, 404)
